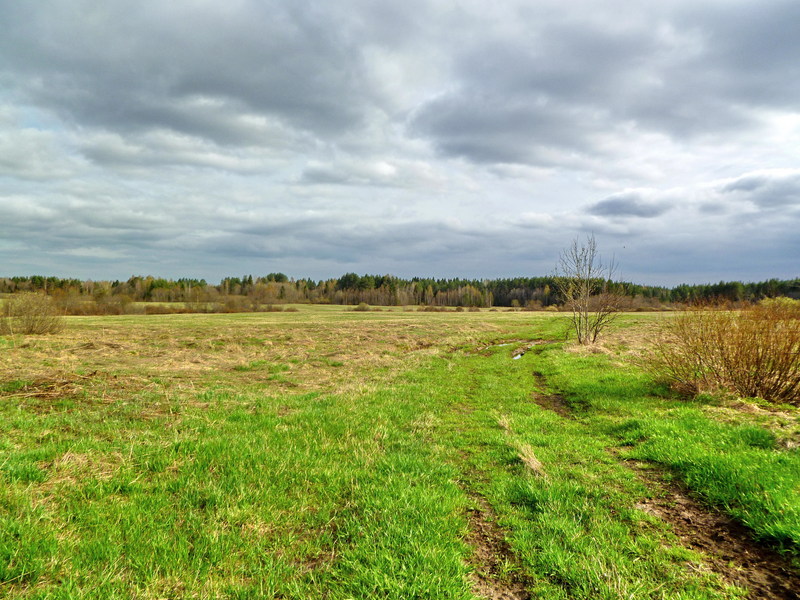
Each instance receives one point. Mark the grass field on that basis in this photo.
(335, 454)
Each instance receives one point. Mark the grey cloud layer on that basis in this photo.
(422, 137)
(768, 190)
(187, 67)
(683, 74)
(630, 204)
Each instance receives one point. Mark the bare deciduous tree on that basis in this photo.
(583, 281)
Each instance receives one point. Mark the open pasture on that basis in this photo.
(328, 453)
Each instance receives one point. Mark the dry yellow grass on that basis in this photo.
(634, 338)
(528, 458)
(317, 349)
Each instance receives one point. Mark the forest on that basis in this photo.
(236, 294)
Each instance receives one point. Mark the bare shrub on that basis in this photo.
(233, 304)
(532, 305)
(753, 352)
(74, 304)
(424, 308)
(162, 309)
(30, 313)
(583, 282)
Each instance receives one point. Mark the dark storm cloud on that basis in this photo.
(333, 245)
(178, 66)
(751, 51)
(488, 127)
(531, 95)
(61, 225)
(630, 204)
(518, 100)
(694, 252)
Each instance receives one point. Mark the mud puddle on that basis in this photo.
(518, 352)
(522, 350)
(484, 349)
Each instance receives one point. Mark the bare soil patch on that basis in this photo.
(553, 402)
(727, 546)
(496, 575)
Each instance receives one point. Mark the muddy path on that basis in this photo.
(728, 547)
(553, 402)
(492, 579)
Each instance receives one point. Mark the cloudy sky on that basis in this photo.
(441, 138)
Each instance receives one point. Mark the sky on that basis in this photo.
(434, 138)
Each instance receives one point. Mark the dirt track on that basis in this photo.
(728, 547)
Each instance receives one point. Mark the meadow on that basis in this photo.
(337, 454)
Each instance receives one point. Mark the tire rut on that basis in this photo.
(496, 570)
(496, 574)
(728, 547)
(552, 402)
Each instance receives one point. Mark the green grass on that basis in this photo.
(335, 455)
(248, 496)
(737, 466)
(574, 529)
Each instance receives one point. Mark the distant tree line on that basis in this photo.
(252, 293)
